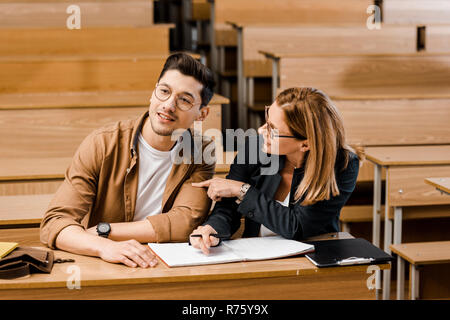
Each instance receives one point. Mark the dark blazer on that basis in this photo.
(259, 207)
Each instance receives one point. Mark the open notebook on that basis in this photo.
(246, 249)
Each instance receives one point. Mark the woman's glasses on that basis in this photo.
(271, 131)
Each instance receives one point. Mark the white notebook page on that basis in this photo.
(262, 248)
(245, 249)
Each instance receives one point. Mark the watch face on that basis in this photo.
(103, 228)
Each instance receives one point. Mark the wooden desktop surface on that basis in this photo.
(424, 252)
(442, 184)
(288, 278)
(409, 155)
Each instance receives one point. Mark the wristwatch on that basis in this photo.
(103, 229)
(242, 192)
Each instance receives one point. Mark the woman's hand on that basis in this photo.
(205, 241)
(219, 188)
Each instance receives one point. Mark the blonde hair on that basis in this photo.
(311, 113)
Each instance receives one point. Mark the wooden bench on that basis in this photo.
(352, 76)
(415, 11)
(283, 11)
(437, 38)
(17, 211)
(307, 39)
(385, 122)
(21, 210)
(39, 121)
(287, 12)
(37, 133)
(79, 73)
(406, 168)
(52, 13)
(428, 260)
(23, 42)
(44, 175)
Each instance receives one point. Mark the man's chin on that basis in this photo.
(163, 132)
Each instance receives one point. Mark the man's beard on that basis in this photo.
(160, 131)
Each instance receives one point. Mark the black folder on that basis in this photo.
(331, 253)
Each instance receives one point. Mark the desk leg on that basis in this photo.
(398, 239)
(387, 242)
(376, 206)
(376, 221)
(212, 42)
(221, 59)
(400, 278)
(226, 113)
(242, 110)
(250, 101)
(275, 63)
(414, 281)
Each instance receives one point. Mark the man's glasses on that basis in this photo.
(271, 131)
(183, 101)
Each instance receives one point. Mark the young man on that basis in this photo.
(122, 183)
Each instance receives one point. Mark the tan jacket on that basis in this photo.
(101, 185)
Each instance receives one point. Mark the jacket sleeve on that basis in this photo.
(190, 208)
(225, 218)
(297, 221)
(74, 198)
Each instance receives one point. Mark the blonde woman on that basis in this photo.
(317, 174)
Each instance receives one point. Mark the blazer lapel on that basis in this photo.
(271, 183)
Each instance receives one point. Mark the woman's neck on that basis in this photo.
(296, 159)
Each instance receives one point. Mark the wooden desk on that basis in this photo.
(442, 184)
(414, 75)
(17, 210)
(423, 254)
(292, 38)
(289, 278)
(406, 167)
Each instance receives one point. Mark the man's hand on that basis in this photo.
(206, 241)
(131, 253)
(219, 188)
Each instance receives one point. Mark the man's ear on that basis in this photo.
(203, 114)
(304, 146)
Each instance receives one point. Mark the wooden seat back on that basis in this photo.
(370, 76)
(307, 39)
(53, 13)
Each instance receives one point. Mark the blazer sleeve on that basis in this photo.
(297, 221)
(225, 218)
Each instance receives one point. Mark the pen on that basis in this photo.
(216, 235)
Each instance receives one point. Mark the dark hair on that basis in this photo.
(188, 66)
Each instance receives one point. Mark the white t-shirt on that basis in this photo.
(154, 170)
(264, 231)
